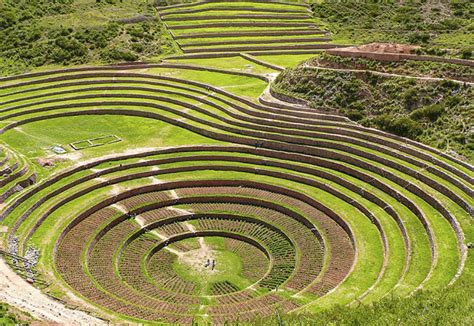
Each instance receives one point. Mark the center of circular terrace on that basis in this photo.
(208, 263)
(214, 269)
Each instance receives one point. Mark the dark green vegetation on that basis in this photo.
(8, 317)
(440, 27)
(67, 32)
(438, 113)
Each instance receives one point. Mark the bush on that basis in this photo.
(410, 98)
(356, 106)
(466, 53)
(7, 317)
(401, 126)
(138, 47)
(72, 46)
(452, 101)
(432, 112)
(354, 115)
(419, 38)
(120, 55)
(7, 18)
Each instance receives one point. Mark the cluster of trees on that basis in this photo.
(16, 12)
(32, 44)
(432, 112)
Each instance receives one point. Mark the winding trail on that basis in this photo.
(386, 74)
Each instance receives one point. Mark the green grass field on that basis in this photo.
(309, 217)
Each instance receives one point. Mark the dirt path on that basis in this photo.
(386, 74)
(18, 293)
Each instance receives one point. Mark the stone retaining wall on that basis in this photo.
(317, 46)
(250, 34)
(228, 8)
(398, 57)
(240, 24)
(261, 42)
(238, 16)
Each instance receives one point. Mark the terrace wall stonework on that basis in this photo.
(398, 57)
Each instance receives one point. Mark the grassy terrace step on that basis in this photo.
(237, 22)
(401, 210)
(237, 6)
(226, 9)
(264, 30)
(232, 41)
(259, 39)
(249, 33)
(173, 21)
(16, 175)
(10, 115)
(215, 25)
(263, 47)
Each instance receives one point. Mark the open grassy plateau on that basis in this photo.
(217, 162)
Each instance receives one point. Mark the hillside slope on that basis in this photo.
(68, 32)
(396, 97)
(440, 27)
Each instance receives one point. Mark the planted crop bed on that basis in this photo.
(279, 208)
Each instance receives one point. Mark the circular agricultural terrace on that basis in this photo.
(282, 209)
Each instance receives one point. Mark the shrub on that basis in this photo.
(7, 18)
(354, 115)
(120, 55)
(419, 38)
(466, 53)
(357, 106)
(432, 112)
(452, 101)
(138, 47)
(401, 126)
(410, 98)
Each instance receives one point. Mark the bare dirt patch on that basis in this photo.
(197, 259)
(18, 293)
